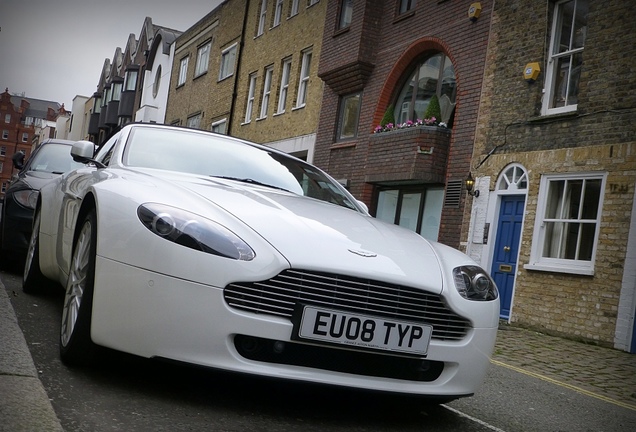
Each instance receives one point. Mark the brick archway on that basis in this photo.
(415, 50)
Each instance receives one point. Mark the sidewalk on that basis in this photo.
(599, 372)
(24, 404)
(605, 372)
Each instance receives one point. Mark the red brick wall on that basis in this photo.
(392, 47)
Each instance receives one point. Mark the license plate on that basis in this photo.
(363, 331)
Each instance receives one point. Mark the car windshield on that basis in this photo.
(53, 158)
(217, 156)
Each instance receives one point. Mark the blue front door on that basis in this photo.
(504, 264)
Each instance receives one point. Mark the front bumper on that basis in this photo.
(155, 315)
(17, 223)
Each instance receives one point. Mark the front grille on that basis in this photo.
(280, 295)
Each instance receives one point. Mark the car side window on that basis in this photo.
(106, 150)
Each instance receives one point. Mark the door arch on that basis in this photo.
(512, 190)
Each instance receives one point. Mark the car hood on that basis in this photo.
(315, 235)
(34, 179)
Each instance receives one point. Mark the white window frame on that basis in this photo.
(203, 59)
(194, 121)
(183, 70)
(228, 59)
(250, 98)
(267, 90)
(25, 137)
(261, 18)
(7, 118)
(3, 150)
(303, 82)
(312, 2)
(219, 126)
(553, 61)
(5, 134)
(562, 265)
(294, 8)
(278, 12)
(284, 86)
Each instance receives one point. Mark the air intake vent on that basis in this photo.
(453, 193)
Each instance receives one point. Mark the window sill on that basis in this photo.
(559, 269)
(404, 16)
(553, 117)
(341, 31)
(200, 75)
(298, 107)
(341, 145)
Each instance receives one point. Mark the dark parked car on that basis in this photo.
(51, 159)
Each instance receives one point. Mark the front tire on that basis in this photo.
(33, 281)
(76, 346)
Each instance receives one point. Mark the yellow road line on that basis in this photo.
(562, 384)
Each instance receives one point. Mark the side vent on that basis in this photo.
(453, 193)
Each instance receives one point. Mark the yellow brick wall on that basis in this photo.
(287, 40)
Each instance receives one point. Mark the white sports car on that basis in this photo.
(196, 247)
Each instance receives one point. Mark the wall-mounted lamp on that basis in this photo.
(470, 184)
(473, 11)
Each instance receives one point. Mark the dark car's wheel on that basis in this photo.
(33, 280)
(76, 346)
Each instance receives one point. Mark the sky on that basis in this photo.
(55, 49)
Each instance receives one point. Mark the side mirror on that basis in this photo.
(18, 160)
(363, 205)
(83, 151)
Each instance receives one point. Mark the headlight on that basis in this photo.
(193, 231)
(473, 283)
(26, 198)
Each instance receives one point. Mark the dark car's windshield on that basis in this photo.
(53, 158)
(216, 156)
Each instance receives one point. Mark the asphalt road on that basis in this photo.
(124, 393)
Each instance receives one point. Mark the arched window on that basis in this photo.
(513, 179)
(434, 75)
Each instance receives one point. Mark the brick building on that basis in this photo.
(22, 119)
(278, 92)
(555, 166)
(119, 97)
(401, 56)
(205, 70)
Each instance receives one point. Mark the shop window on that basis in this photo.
(416, 208)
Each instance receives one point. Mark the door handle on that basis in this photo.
(506, 248)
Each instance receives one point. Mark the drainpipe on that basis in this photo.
(238, 68)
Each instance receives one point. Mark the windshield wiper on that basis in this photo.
(250, 181)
